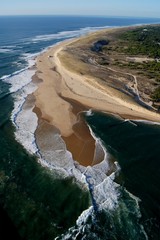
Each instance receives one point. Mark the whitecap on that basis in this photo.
(89, 113)
(25, 120)
(9, 46)
(66, 34)
(19, 79)
(146, 122)
(5, 50)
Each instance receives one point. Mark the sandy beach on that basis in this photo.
(63, 93)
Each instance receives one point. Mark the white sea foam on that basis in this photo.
(9, 46)
(56, 156)
(30, 58)
(55, 36)
(25, 132)
(66, 34)
(21, 86)
(89, 221)
(23, 77)
(106, 193)
(5, 50)
(25, 120)
(19, 79)
(89, 113)
(5, 77)
(54, 151)
(83, 217)
(146, 122)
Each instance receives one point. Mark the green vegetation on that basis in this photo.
(156, 95)
(141, 42)
(150, 69)
(144, 41)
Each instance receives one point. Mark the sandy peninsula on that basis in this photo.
(64, 91)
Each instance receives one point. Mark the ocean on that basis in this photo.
(39, 201)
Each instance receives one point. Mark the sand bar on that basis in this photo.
(62, 93)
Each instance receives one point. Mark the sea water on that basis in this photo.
(45, 199)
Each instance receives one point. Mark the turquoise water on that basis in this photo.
(37, 202)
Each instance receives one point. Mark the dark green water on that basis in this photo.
(137, 149)
(33, 199)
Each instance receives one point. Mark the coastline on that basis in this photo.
(103, 162)
(63, 94)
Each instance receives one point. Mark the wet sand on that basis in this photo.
(62, 96)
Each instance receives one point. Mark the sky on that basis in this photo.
(134, 8)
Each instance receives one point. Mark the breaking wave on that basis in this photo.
(66, 34)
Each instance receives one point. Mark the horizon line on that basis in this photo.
(73, 15)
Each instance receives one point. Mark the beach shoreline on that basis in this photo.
(63, 94)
